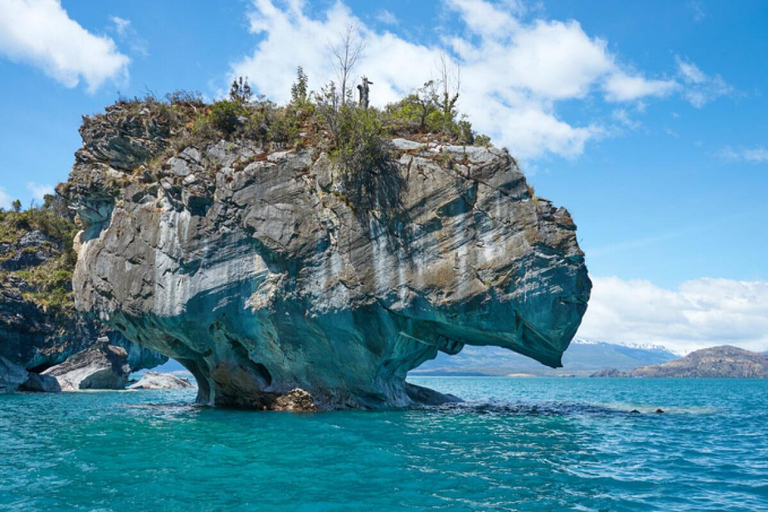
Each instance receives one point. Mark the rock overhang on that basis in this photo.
(254, 269)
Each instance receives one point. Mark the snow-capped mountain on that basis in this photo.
(583, 357)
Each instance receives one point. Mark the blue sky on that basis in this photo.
(647, 120)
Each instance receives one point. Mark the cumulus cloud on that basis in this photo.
(757, 154)
(39, 191)
(5, 199)
(42, 34)
(700, 313)
(514, 73)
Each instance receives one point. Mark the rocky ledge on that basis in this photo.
(102, 366)
(155, 380)
(262, 271)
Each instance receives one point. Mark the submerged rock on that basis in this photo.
(103, 366)
(261, 271)
(609, 372)
(155, 380)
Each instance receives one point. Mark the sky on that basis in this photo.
(647, 120)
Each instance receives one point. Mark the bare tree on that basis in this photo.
(347, 50)
(450, 83)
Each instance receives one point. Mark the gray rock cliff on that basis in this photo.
(102, 366)
(259, 272)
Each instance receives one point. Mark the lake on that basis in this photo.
(516, 444)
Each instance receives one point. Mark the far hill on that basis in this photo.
(716, 362)
(583, 357)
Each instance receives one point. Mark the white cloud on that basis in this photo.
(39, 191)
(622, 87)
(128, 35)
(5, 199)
(41, 33)
(753, 155)
(699, 88)
(122, 26)
(622, 117)
(387, 17)
(700, 313)
(514, 73)
(483, 18)
(698, 11)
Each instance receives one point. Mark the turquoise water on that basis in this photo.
(518, 444)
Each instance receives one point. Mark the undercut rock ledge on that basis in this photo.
(259, 273)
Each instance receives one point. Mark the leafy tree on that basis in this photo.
(16, 205)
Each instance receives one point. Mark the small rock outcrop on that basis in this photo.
(155, 380)
(262, 270)
(725, 362)
(102, 366)
(296, 400)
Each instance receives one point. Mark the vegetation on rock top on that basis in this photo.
(44, 264)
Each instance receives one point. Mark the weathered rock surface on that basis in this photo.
(261, 274)
(102, 366)
(33, 334)
(11, 376)
(155, 380)
(716, 363)
(41, 384)
(296, 400)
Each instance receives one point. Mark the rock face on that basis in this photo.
(102, 366)
(35, 333)
(155, 380)
(260, 273)
(11, 376)
(41, 384)
(716, 362)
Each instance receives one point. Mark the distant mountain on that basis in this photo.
(715, 362)
(583, 357)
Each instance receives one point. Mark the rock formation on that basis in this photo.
(11, 376)
(155, 380)
(41, 383)
(262, 271)
(715, 363)
(39, 326)
(296, 400)
(102, 366)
